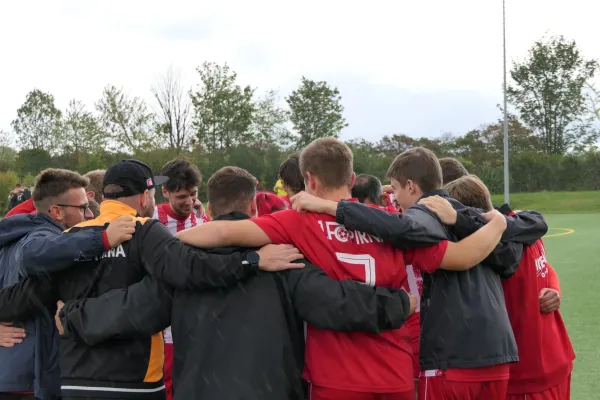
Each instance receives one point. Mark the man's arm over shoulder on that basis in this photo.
(28, 298)
(185, 267)
(139, 310)
(507, 254)
(525, 227)
(345, 305)
(415, 228)
(224, 234)
(48, 250)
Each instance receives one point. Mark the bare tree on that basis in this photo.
(127, 120)
(173, 110)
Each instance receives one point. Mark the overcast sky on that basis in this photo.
(420, 67)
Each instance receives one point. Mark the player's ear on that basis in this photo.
(411, 186)
(353, 179)
(164, 192)
(144, 198)
(209, 211)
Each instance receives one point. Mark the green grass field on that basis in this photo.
(574, 257)
(554, 202)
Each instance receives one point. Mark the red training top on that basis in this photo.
(25, 207)
(545, 351)
(357, 361)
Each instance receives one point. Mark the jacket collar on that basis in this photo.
(48, 219)
(436, 192)
(114, 207)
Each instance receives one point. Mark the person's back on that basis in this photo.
(59, 198)
(336, 359)
(130, 368)
(545, 351)
(225, 351)
(117, 268)
(29, 372)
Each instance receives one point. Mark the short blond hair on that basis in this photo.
(471, 191)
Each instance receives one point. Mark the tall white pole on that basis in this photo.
(506, 176)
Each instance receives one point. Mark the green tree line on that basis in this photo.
(219, 122)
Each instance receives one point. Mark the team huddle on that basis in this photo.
(341, 289)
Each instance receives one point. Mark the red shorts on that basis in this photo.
(168, 370)
(558, 392)
(319, 393)
(439, 388)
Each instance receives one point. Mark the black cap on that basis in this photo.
(133, 176)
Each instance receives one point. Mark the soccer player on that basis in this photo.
(182, 210)
(350, 365)
(291, 177)
(545, 351)
(466, 338)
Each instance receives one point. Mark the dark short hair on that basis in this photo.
(330, 160)
(52, 183)
(452, 169)
(182, 175)
(289, 172)
(230, 189)
(420, 165)
(368, 187)
(96, 182)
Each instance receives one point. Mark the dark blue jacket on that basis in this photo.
(34, 364)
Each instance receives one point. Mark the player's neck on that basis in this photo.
(336, 194)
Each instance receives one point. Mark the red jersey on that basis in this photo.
(545, 351)
(25, 207)
(357, 361)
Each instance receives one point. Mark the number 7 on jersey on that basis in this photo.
(364, 260)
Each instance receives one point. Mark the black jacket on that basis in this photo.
(242, 342)
(464, 323)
